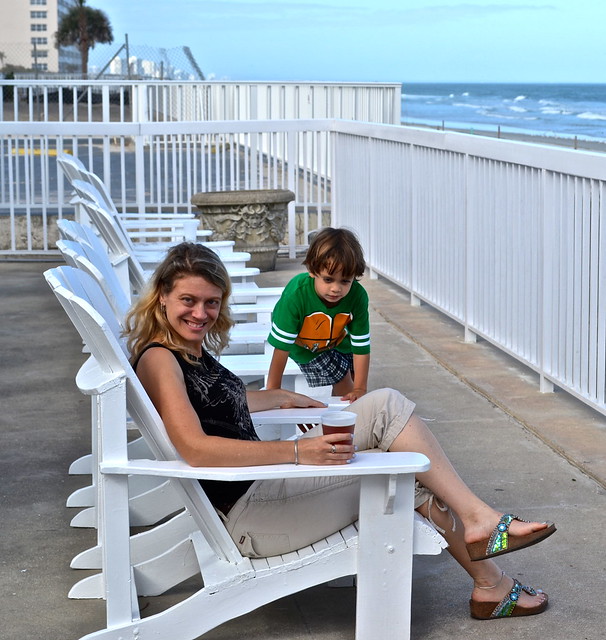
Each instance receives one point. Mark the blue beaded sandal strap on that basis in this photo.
(499, 539)
(508, 603)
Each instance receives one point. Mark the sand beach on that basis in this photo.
(580, 144)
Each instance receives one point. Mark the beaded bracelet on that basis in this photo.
(296, 451)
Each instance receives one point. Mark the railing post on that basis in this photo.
(546, 292)
(140, 107)
(253, 105)
(106, 114)
(371, 208)
(414, 210)
(11, 153)
(470, 336)
(140, 173)
(292, 154)
(469, 302)
(397, 106)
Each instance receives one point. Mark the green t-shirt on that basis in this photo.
(304, 326)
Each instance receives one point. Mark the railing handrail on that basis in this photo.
(126, 81)
(578, 162)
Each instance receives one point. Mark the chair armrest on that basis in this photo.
(156, 216)
(92, 380)
(365, 464)
(299, 415)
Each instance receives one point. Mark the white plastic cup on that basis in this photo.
(338, 422)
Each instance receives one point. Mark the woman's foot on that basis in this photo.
(509, 534)
(483, 530)
(505, 598)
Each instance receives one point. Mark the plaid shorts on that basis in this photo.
(328, 368)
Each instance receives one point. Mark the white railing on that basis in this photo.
(507, 238)
(158, 167)
(147, 101)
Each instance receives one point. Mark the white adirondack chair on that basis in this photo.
(148, 252)
(147, 507)
(142, 230)
(249, 333)
(150, 499)
(128, 270)
(97, 193)
(185, 223)
(378, 551)
(119, 245)
(250, 366)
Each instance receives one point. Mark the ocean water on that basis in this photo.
(564, 110)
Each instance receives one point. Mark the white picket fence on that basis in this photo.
(507, 238)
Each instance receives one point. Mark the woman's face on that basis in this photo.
(192, 308)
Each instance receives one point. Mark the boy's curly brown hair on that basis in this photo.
(334, 249)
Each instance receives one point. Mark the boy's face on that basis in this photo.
(331, 287)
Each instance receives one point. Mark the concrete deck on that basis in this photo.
(543, 456)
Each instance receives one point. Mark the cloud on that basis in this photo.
(235, 14)
(469, 10)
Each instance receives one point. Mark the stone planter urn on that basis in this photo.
(255, 219)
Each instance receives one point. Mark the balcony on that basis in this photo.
(486, 261)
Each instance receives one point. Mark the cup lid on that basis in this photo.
(338, 418)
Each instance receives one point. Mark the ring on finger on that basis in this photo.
(334, 449)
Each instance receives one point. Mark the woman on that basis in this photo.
(181, 317)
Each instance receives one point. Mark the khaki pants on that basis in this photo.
(279, 516)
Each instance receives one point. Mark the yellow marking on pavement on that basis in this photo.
(34, 152)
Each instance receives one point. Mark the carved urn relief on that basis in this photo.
(255, 219)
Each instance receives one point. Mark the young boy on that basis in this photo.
(321, 320)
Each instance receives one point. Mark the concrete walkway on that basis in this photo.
(543, 456)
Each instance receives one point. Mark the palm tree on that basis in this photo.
(84, 27)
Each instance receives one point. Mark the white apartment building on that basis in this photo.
(27, 36)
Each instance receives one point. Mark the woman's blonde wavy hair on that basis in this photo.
(146, 321)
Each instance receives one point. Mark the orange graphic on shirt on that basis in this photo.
(321, 332)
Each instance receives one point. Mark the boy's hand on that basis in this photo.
(352, 396)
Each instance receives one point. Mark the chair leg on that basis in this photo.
(385, 557)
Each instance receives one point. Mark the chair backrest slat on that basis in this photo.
(118, 244)
(82, 256)
(75, 170)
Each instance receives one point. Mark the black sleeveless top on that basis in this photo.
(219, 398)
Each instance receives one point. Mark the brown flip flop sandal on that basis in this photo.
(507, 608)
(501, 541)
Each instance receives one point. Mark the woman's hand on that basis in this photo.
(282, 398)
(291, 400)
(323, 450)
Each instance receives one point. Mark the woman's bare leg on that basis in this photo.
(477, 517)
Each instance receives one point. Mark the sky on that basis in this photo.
(373, 40)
